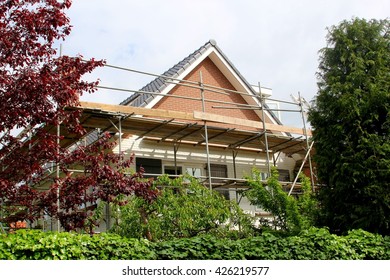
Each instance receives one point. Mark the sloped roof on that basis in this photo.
(159, 84)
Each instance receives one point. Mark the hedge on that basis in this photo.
(312, 244)
(37, 245)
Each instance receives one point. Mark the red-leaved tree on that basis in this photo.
(36, 87)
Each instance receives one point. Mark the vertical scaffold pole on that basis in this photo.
(58, 173)
(307, 140)
(120, 134)
(235, 153)
(265, 130)
(175, 149)
(58, 163)
(205, 129)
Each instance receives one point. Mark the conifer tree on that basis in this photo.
(351, 126)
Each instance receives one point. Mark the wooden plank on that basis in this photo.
(160, 113)
(225, 119)
(196, 115)
(242, 122)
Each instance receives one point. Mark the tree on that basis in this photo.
(184, 208)
(351, 126)
(289, 214)
(36, 87)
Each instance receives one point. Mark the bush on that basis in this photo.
(369, 246)
(37, 245)
(184, 208)
(319, 244)
(206, 247)
(291, 215)
(310, 244)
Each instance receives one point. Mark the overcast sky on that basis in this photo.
(273, 42)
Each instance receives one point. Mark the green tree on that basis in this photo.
(184, 208)
(351, 126)
(290, 214)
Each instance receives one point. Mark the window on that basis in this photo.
(220, 171)
(284, 175)
(150, 165)
(194, 172)
(172, 170)
(263, 175)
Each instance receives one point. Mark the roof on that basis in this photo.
(161, 82)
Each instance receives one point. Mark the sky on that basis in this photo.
(274, 42)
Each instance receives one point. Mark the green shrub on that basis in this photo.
(184, 208)
(319, 244)
(310, 244)
(291, 215)
(369, 246)
(37, 245)
(206, 247)
(266, 246)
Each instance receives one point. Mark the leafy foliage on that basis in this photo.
(310, 244)
(37, 245)
(204, 247)
(289, 213)
(307, 203)
(369, 245)
(36, 88)
(103, 181)
(184, 208)
(351, 126)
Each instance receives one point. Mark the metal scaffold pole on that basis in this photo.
(205, 130)
(119, 129)
(300, 169)
(120, 134)
(307, 140)
(58, 173)
(265, 130)
(206, 121)
(58, 163)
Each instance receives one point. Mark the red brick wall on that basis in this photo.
(212, 76)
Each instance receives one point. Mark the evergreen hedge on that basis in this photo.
(312, 244)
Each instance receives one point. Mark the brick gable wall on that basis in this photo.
(211, 76)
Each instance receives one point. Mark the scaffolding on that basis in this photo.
(201, 128)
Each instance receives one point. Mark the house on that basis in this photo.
(203, 118)
(200, 117)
